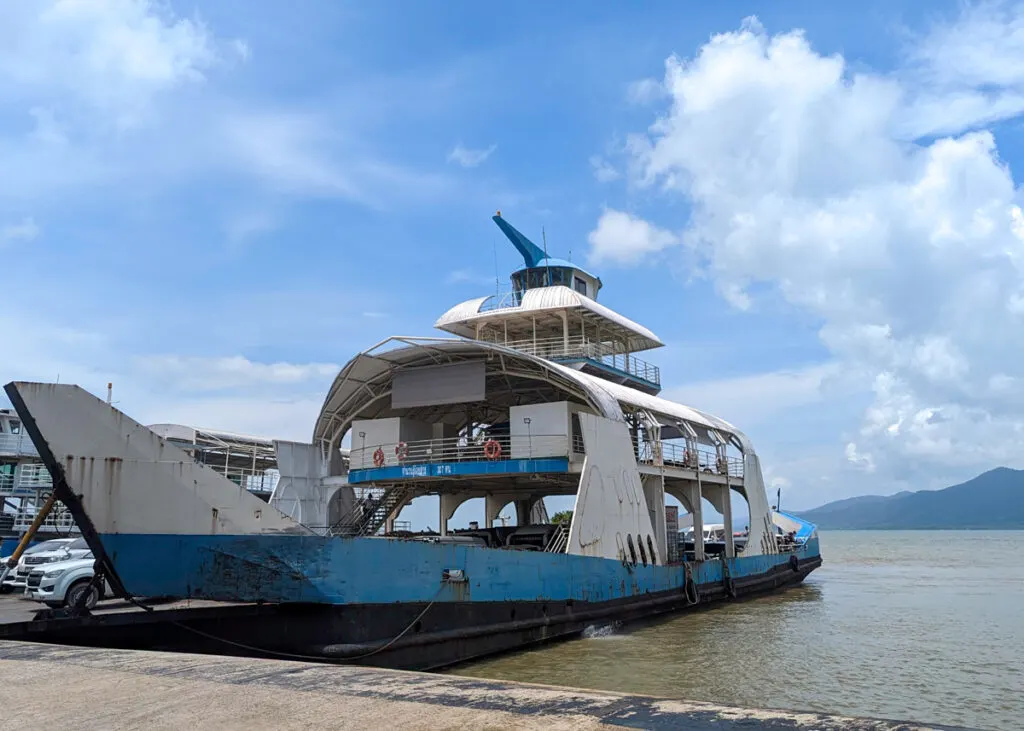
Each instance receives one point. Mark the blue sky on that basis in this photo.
(215, 204)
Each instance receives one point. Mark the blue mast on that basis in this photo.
(532, 254)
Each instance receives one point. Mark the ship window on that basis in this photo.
(632, 550)
(650, 547)
(15, 426)
(580, 285)
(643, 553)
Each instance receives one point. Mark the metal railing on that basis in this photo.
(559, 540)
(580, 348)
(261, 482)
(19, 445)
(59, 520)
(33, 476)
(679, 455)
(502, 300)
(459, 449)
(28, 479)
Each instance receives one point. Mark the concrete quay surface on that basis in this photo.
(56, 686)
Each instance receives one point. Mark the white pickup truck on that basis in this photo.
(44, 552)
(61, 583)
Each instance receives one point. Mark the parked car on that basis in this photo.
(39, 553)
(61, 583)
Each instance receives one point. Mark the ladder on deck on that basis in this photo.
(371, 512)
(559, 540)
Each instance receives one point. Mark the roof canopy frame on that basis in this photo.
(350, 395)
(335, 420)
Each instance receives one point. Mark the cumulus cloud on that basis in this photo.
(622, 237)
(26, 230)
(217, 373)
(110, 55)
(467, 157)
(801, 179)
(603, 170)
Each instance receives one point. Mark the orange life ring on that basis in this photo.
(492, 450)
(378, 458)
(401, 451)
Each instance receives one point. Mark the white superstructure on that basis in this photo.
(541, 394)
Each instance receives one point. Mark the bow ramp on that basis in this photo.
(119, 477)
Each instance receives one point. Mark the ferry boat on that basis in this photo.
(535, 392)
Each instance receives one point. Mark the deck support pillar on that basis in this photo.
(694, 497)
(448, 505)
(721, 497)
(492, 508)
(654, 496)
(523, 508)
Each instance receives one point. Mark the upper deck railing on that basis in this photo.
(700, 459)
(17, 445)
(502, 300)
(578, 348)
(459, 449)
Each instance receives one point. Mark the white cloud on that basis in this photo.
(623, 238)
(645, 91)
(27, 230)
(468, 157)
(218, 373)
(110, 55)
(602, 169)
(984, 47)
(799, 176)
(460, 276)
(751, 401)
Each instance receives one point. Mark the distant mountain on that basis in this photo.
(993, 500)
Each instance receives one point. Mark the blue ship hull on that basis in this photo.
(331, 570)
(384, 602)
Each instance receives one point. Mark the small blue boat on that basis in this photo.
(539, 393)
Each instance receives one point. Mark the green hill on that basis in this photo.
(993, 500)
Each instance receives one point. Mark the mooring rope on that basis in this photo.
(291, 655)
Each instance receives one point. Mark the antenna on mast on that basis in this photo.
(497, 280)
(544, 236)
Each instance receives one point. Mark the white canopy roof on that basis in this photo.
(463, 318)
(366, 379)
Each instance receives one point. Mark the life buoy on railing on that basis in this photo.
(401, 451)
(492, 450)
(378, 458)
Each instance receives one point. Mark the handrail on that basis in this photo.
(609, 354)
(18, 444)
(559, 540)
(679, 455)
(459, 449)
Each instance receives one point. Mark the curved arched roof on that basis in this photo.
(366, 379)
(462, 318)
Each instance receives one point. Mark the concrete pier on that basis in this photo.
(52, 686)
